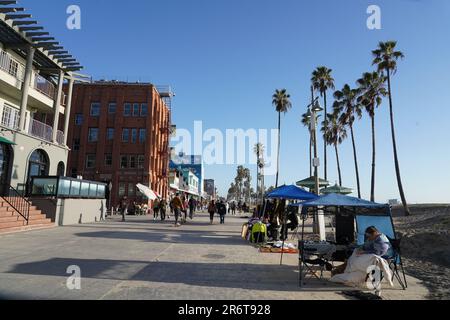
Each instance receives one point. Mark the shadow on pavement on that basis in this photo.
(241, 276)
(195, 237)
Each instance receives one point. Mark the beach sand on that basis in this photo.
(426, 246)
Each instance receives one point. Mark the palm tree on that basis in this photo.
(347, 106)
(240, 176)
(306, 121)
(259, 151)
(334, 134)
(282, 103)
(372, 90)
(385, 57)
(323, 81)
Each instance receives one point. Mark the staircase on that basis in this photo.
(18, 214)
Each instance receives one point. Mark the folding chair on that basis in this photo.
(396, 261)
(385, 225)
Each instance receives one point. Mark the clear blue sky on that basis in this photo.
(225, 58)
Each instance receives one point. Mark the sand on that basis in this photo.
(426, 246)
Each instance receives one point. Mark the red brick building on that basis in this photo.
(119, 133)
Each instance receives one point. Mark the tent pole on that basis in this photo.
(283, 231)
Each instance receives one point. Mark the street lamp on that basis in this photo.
(313, 110)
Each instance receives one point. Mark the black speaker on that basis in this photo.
(345, 229)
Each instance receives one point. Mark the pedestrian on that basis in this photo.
(162, 209)
(222, 209)
(233, 208)
(124, 208)
(185, 208)
(155, 209)
(212, 210)
(177, 206)
(191, 208)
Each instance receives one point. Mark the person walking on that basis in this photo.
(233, 208)
(191, 208)
(155, 209)
(162, 209)
(124, 208)
(212, 210)
(222, 210)
(177, 206)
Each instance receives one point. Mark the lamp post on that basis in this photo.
(313, 109)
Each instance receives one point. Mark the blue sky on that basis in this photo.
(224, 60)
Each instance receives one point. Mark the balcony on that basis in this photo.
(11, 66)
(44, 86)
(40, 130)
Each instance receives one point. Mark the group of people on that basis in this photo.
(180, 206)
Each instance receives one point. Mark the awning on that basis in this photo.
(4, 140)
(291, 193)
(337, 200)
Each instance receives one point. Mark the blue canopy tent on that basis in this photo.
(291, 192)
(365, 214)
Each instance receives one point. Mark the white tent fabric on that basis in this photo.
(149, 193)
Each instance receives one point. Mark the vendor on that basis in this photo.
(376, 243)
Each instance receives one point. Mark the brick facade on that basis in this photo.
(154, 151)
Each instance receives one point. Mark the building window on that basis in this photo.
(142, 135)
(141, 162)
(123, 162)
(95, 109)
(132, 162)
(131, 189)
(125, 135)
(10, 117)
(93, 135)
(127, 109)
(121, 189)
(110, 134)
(136, 110)
(112, 108)
(79, 119)
(90, 161)
(108, 160)
(144, 110)
(76, 144)
(133, 135)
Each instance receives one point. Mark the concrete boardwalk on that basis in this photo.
(143, 259)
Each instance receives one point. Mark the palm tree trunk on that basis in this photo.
(324, 142)
(356, 162)
(394, 145)
(372, 183)
(338, 164)
(278, 154)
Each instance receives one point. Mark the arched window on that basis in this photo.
(39, 164)
(61, 170)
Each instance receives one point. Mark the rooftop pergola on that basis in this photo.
(18, 31)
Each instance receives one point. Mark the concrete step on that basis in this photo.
(26, 228)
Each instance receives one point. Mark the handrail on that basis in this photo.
(17, 202)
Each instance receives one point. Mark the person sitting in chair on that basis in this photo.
(375, 243)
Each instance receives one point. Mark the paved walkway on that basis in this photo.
(143, 259)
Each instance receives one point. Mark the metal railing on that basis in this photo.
(40, 130)
(12, 66)
(44, 86)
(60, 137)
(16, 201)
